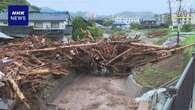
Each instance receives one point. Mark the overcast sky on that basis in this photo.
(105, 6)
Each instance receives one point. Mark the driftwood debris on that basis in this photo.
(28, 62)
(18, 92)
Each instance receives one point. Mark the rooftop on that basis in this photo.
(4, 36)
(49, 16)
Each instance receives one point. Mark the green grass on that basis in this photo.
(153, 76)
(188, 51)
(189, 40)
(162, 39)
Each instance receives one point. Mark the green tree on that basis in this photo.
(186, 28)
(107, 22)
(80, 26)
(136, 26)
(5, 3)
(96, 32)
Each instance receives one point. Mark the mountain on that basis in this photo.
(46, 9)
(79, 13)
(5, 3)
(136, 14)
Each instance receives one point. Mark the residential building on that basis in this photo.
(186, 18)
(39, 23)
(163, 18)
(125, 22)
(193, 19)
(149, 22)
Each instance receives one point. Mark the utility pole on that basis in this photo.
(170, 14)
(179, 16)
(190, 15)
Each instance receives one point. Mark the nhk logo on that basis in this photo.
(18, 15)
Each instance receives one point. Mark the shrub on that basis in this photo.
(186, 28)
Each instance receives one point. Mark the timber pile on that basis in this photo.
(28, 62)
(27, 74)
(156, 34)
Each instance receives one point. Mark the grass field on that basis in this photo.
(189, 40)
(154, 75)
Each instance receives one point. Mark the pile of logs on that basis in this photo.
(156, 34)
(26, 63)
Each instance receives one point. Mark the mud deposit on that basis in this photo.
(95, 93)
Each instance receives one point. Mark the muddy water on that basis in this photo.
(95, 93)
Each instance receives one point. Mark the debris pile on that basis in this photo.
(24, 74)
(156, 34)
(26, 63)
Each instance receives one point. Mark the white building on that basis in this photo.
(183, 19)
(125, 22)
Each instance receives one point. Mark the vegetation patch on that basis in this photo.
(154, 75)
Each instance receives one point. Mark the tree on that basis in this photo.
(81, 27)
(78, 24)
(136, 26)
(186, 28)
(5, 3)
(107, 22)
(96, 32)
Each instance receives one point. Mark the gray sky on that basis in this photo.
(105, 6)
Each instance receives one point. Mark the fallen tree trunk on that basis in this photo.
(41, 71)
(60, 47)
(147, 45)
(18, 92)
(181, 48)
(115, 58)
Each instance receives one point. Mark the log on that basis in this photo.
(57, 48)
(139, 44)
(147, 45)
(37, 60)
(40, 71)
(180, 48)
(18, 92)
(120, 55)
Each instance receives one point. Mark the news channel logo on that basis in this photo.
(18, 15)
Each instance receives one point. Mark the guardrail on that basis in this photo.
(181, 96)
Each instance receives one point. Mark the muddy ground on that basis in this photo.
(95, 93)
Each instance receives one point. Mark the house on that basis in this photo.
(120, 25)
(44, 23)
(149, 22)
(163, 19)
(4, 36)
(125, 22)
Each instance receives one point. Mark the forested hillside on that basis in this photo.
(5, 3)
